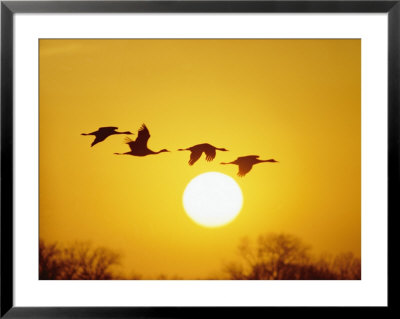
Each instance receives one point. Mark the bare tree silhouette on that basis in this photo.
(286, 257)
(271, 257)
(49, 261)
(79, 261)
(347, 266)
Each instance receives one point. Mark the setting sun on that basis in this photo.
(212, 199)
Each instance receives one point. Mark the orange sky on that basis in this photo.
(298, 101)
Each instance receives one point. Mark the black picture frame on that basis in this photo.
(9, 8)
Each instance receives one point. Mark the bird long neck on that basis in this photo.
(268, 160)
(220, 149)
(127, 132)
(226, 163)
(183, 149)
(160, 151)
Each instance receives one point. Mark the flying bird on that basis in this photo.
(103, 132)
(199, 149)
(246, 163)
(139, 146)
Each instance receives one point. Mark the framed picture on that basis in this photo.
(182, 158)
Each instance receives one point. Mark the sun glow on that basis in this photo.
(212, 199)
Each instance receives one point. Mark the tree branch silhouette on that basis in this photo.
(286, 257)
(79, 261)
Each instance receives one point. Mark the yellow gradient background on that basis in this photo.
(298, 101)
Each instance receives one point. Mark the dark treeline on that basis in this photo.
(79, 261)
(271, 257)
(286, 257)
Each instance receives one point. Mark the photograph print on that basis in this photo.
(199, 159)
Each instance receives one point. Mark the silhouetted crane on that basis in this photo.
(139, 146)
(245, 163)
(103, 132)
(199, 149)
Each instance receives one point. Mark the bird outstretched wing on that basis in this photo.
(130, 143)
(143, 137)
(194, 156)
(244, 168)
(246, 163)
(98, 139)
(210, 154)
